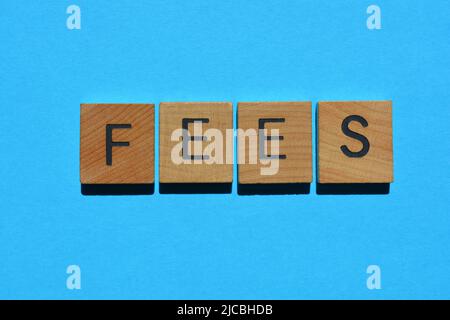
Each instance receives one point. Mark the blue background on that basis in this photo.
(221, 246)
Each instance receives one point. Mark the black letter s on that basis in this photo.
(355, 135)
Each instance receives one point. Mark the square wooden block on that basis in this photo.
(117, 143)
(187, 159)
(355, 142)
(293, 120)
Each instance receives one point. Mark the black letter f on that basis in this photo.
(110, 143)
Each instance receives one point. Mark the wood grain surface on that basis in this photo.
(374, 167)
(296, 144)
(220, 115)
(133, 164)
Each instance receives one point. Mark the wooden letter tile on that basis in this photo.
(355, 142)
(187, 160)
(117, 144)
(293, 120)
